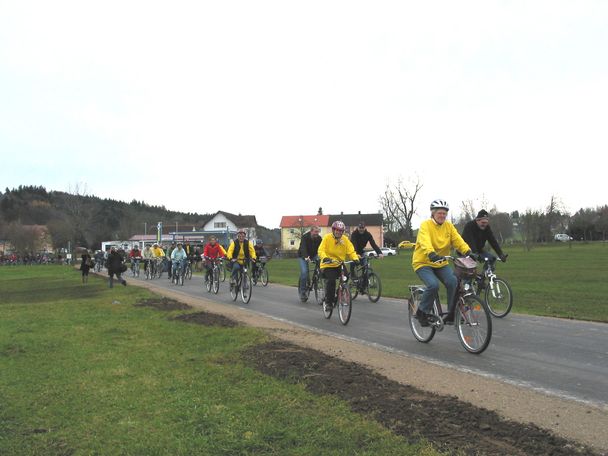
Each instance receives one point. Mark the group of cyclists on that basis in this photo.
(177, 256)
(436, 238)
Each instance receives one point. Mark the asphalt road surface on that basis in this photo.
(560, 357)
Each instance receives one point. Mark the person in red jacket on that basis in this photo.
(212, 252)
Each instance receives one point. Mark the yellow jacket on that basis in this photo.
(241, 255)
(337, 250)
(157, 252)
(440, 239)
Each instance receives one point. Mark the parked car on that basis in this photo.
(563, 237)
(386, 251)
(407, 245)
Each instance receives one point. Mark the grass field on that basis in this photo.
(569, 281)
(83, 371)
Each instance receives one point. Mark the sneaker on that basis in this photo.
(448, 319)
(422, 318)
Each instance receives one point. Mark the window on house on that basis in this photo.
(219, 224)
(292, 231)
(292, 242)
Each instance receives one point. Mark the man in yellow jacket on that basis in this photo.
(239, 251)
(334, 248)
(436, 237)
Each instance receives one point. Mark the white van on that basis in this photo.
(562, 237)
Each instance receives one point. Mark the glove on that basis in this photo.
(232, 260)
(503, 257)
(472, 255)
(435, 258)
(326, 260)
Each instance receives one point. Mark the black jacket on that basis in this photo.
(114, 263)
(476, 238)
(309, 245)
(360, 240)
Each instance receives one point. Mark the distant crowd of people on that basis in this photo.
(14, 259)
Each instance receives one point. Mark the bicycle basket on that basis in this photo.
(466, 268)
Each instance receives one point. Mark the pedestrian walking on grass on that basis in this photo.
(115, 267)
(85, 266)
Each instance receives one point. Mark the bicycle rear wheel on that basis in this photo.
(499, 297)
(473, 324)
(222, 272)
(246, 288)
(421, 333)
(345, 307)
(374, 287)
(189, 273)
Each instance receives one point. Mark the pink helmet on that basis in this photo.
(338, 225)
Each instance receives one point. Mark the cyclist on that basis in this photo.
(148, 255)
(360, 237)
(239, 252)
(476, 233)
(435, 239)
(260, 252)
(169, 255)
(334, 248)
(212, 252)
(99, 258)
(178, 259)
(308, 251)
(158, 254)
(135, 257)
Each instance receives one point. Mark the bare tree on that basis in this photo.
(399, 205)
(25, 239)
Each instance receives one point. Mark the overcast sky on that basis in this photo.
(277, 108)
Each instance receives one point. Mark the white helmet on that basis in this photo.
(440, 204)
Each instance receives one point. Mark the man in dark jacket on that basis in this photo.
(476, 233)
(115, 267)
(309, 245)
(360, 237)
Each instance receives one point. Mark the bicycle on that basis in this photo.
(242, 285)
(260, 273)
(366, 281)
(314, 284)
(472, 319)
(135, 267)
(498, 295)
(343, 298)
(188, 270)
(212, 278)
(177, 273)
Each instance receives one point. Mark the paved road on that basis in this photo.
(561, 357)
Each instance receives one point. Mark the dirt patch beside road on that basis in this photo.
(450, 424)
(565, 418)
(207, 319)
(163, 304)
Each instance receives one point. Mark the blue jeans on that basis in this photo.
(431, 277)
(235, 268)
(304, 272)
(178, 263)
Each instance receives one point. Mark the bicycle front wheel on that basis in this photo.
(319, 288)
(344, 304)
(499, 297)
(473, 324)
(421, 333)
(208, 282)
(215, 277)
(234, 287)
(246, 288)
(189, 273)
(264, 277)
(374, 287)
(222, 273)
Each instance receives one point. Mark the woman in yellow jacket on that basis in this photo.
(334, 247)
(239, 251)
(436, 237)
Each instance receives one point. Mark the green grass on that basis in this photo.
(568, 281)
(81, 374)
